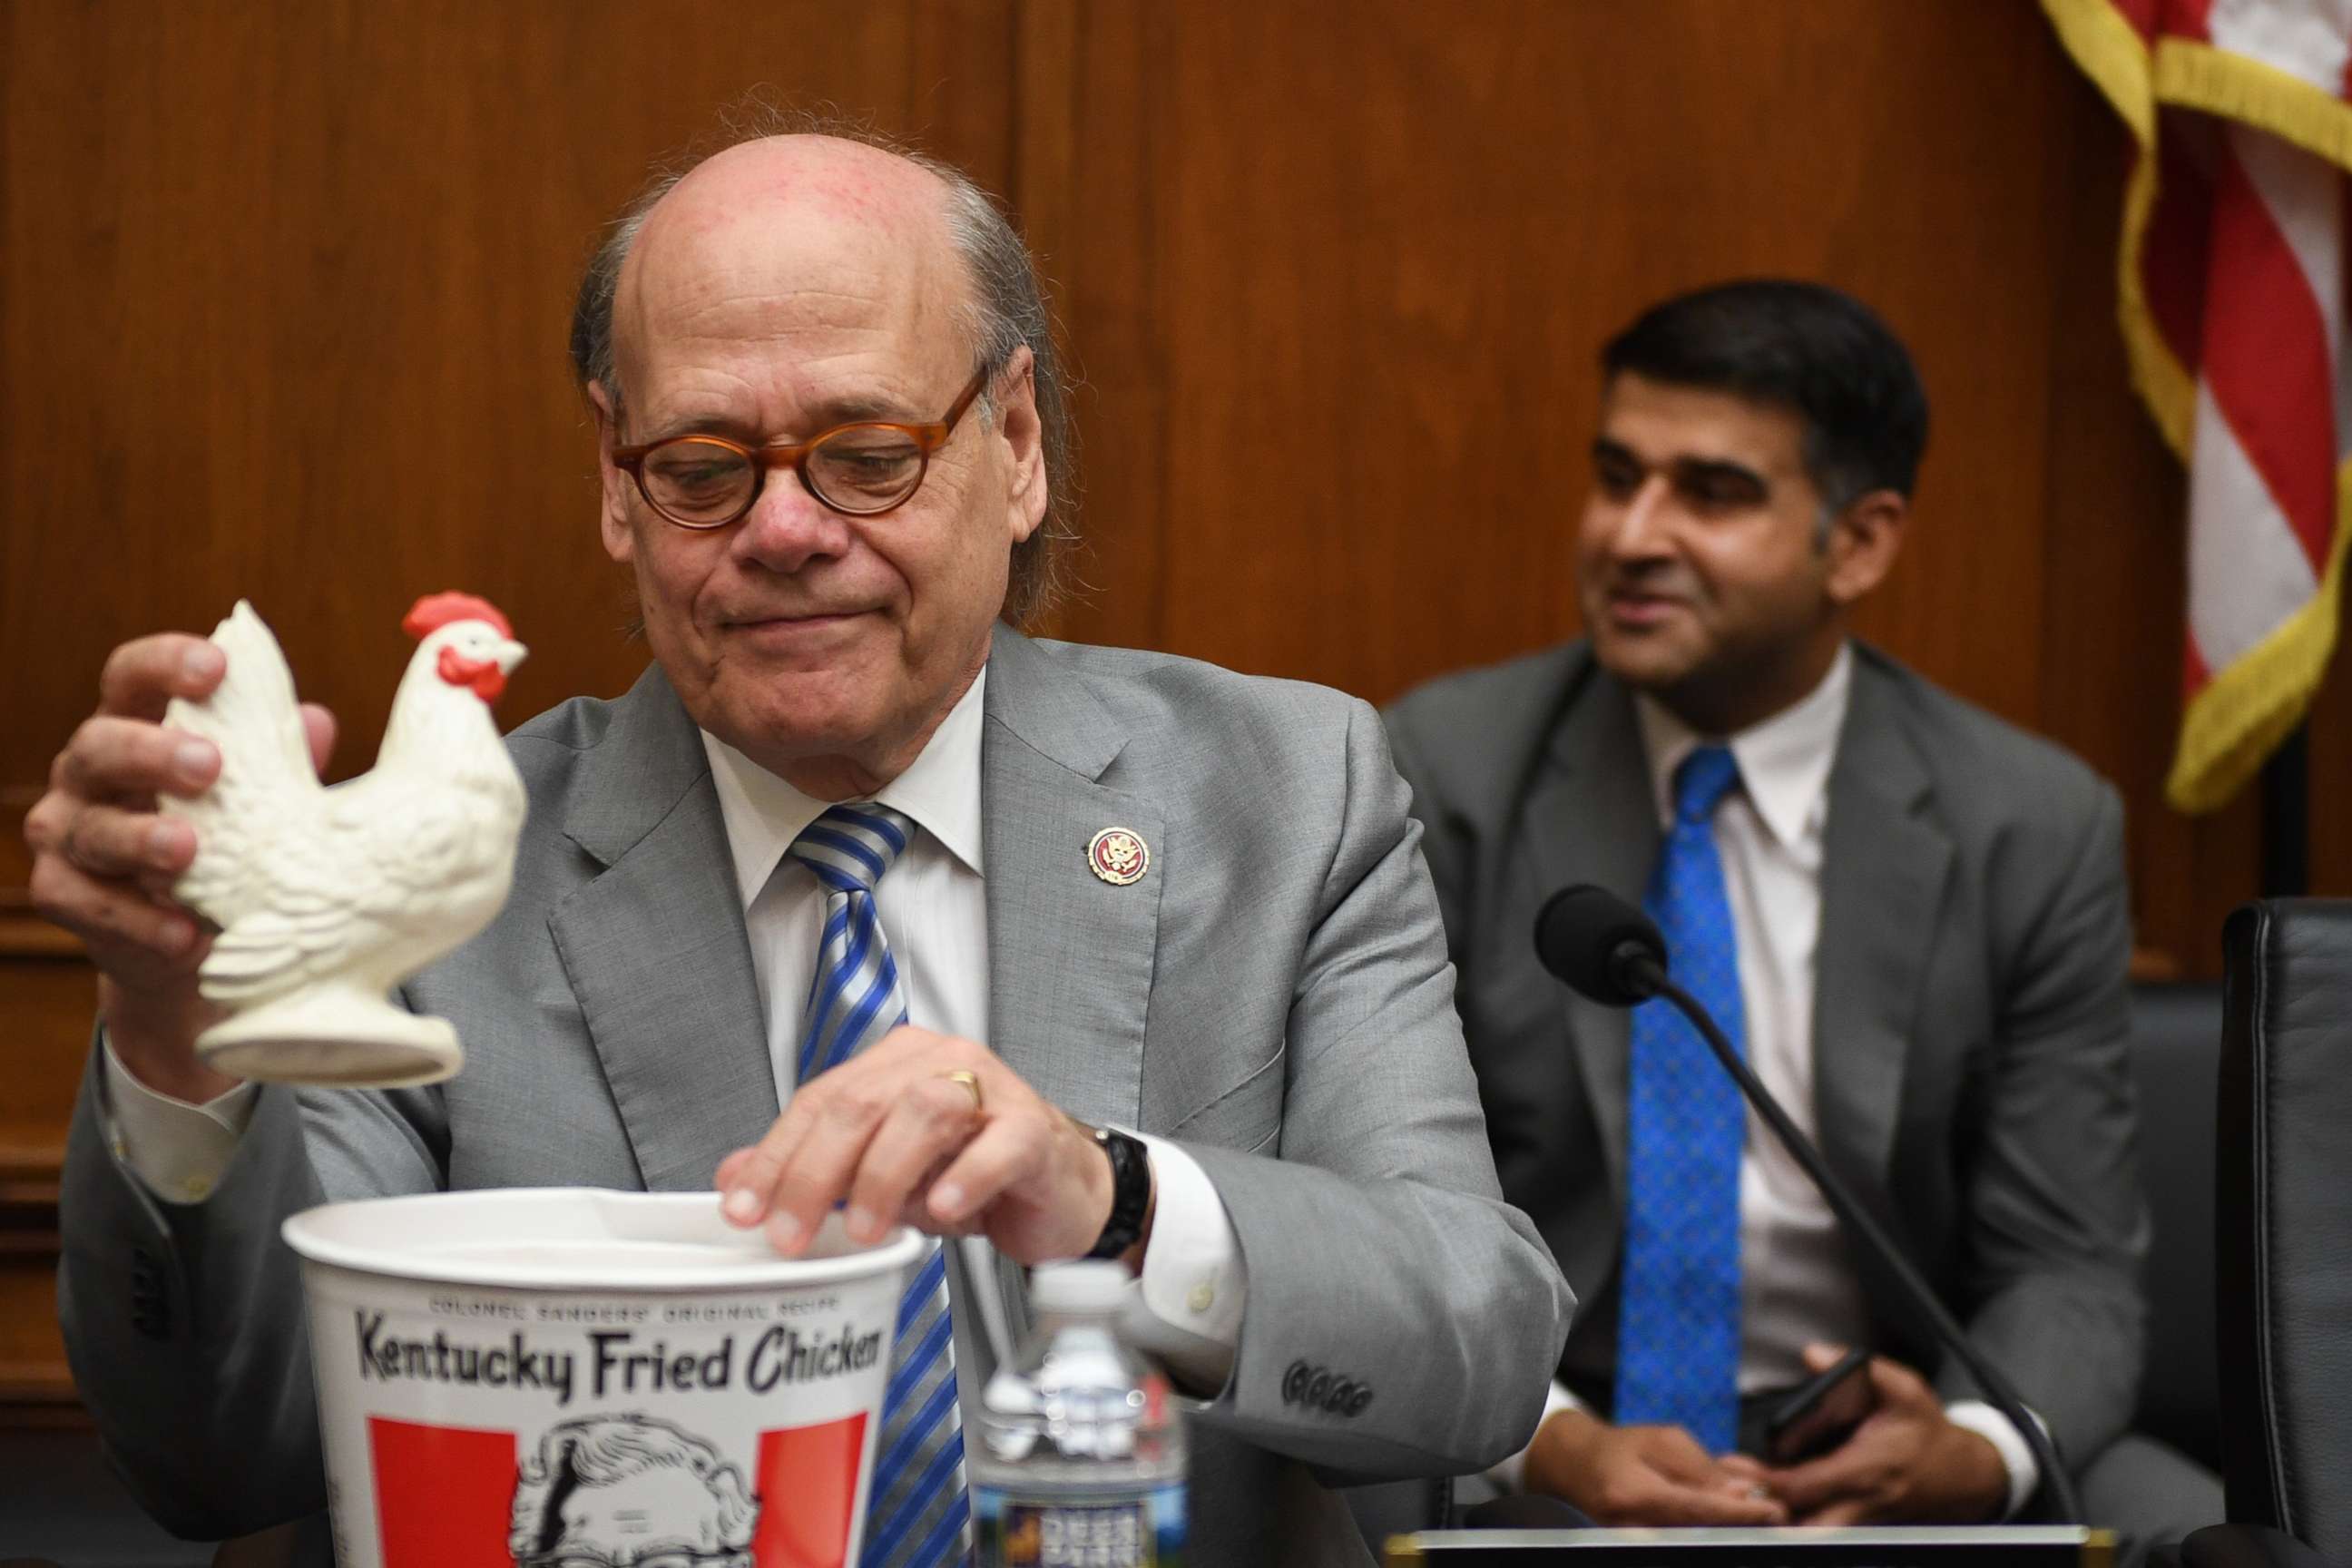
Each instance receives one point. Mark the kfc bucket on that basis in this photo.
(574, 1376)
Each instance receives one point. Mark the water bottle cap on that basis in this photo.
(1078, 1287)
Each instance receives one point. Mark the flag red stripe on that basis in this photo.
(443, 1494)
(2185, 19)
(2266, 359)
(808, 1480)
(2172, 252)
(2140, 13)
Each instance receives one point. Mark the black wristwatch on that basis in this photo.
(1130, 1192)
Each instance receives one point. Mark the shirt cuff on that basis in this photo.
(1511, 1474)
(2016, 1456)
(176, 1149)
(1185, 1308)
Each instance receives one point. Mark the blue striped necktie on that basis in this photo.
(917, 1512)
(1679, 1297)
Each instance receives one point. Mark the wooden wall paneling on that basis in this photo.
(1370, 466)
(2330, 779)
(1090, 161)
(45, 991)
(45, 987)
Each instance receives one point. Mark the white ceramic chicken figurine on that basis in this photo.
(326, 899)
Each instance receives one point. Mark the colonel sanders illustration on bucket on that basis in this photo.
(629, 1491)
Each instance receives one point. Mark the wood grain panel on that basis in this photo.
(33, 1371)
(2330, 778)
(1089, 161)
(42, 997)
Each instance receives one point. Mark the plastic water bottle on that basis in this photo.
(1081, 1460)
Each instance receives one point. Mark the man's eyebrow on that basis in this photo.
(1689, 471)
(852, 408)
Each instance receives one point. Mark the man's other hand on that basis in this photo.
(891, 1135)
(1904, 1464)
(1642, 1475)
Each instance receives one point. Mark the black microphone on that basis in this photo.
(1610, 952)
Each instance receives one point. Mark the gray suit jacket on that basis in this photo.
(1273, 995)
(1972, 1079)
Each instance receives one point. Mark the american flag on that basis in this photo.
(2232, 297)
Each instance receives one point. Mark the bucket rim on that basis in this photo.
(312, 1234)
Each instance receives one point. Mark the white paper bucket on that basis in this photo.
(546, 1377)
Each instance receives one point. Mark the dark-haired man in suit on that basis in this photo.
(1910, 915)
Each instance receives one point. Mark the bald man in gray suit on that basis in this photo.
(1251, 976)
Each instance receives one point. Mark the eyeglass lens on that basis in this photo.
(858, 468)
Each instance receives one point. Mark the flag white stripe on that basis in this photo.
(2247, 570)
(2305, 39)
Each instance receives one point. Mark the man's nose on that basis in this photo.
(787, 528)
(1643, 530)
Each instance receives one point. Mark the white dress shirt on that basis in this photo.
(1186, 1308)
(1797, 1284)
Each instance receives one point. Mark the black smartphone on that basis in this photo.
(1816, 1415)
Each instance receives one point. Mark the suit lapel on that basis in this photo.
(1883, 865)
(656, 950)
(1070, 956)
(1590, 817)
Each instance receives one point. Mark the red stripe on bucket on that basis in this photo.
(808, 1481)
(444, 1495)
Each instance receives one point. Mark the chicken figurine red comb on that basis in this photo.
(326, 899)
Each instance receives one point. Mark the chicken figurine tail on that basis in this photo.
(323, 899)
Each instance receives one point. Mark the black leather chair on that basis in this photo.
(2284, 1243)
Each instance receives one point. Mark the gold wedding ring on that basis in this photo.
(971, 1080)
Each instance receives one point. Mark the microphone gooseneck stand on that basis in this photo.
(1651, 976)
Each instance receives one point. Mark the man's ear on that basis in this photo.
(1863, 540)
(1023, 433)
(613, 513)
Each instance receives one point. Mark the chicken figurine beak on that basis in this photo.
(510, 653)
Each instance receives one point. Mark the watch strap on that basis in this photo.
(1130, 1192)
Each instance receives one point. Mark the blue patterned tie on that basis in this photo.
(1678, 1299)
(917, 1511)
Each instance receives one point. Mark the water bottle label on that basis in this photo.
(1039, 1528)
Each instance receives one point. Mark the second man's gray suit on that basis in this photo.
(1273, 995)
(1970, 1010)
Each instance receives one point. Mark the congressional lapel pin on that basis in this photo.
(1118, 857)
